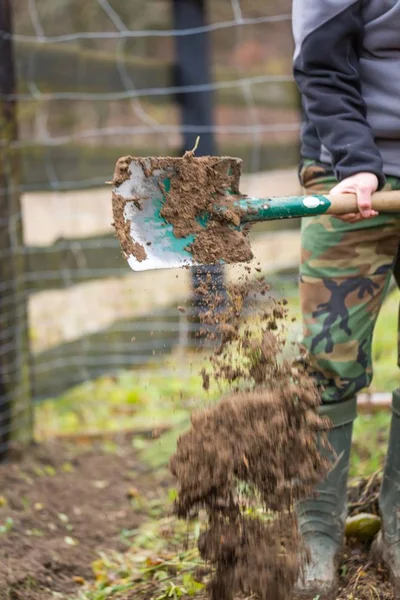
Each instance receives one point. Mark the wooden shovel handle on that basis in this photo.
(347, 203)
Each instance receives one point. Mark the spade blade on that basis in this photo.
(146, 238)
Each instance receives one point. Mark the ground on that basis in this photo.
(89, 517)
(92, 521)
(60, 508)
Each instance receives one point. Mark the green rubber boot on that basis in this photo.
(386, 546)
(322, 519)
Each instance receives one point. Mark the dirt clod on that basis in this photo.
(198, 187)
(123, 229)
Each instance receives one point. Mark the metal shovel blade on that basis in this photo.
(147, 239)
(137, 203)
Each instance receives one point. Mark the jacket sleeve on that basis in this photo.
(328, 35)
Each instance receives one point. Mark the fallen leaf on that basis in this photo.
(63, 518)
(154, 561)
(98, 566)
(100, 571)
(101, 485)
(49, 470)
(70, 541)
(8, 525)
(34, 532)
(133, 493)
(68, 468)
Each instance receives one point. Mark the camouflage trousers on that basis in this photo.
(344, 275)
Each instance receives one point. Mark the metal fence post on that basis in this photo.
(15, 397)
(192, 69)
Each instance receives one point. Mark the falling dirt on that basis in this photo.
(199, 203)
(249, 458)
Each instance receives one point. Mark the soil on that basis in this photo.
(198, 191)
(361, 579)
(121, 225)
(123, 229)
(266, 435)
(66, 505)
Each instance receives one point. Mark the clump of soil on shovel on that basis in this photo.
(199, 187)
(249, 458)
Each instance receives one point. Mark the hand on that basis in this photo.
(363, 185)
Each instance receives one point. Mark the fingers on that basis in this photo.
(350, 218)
(363, 185)
(355, 217)
(364, 200)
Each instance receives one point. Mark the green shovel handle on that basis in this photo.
(268, 209)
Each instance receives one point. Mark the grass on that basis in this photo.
(161, 562)
(370, 438)
(155, 398)
(130, 400)
(386, 377)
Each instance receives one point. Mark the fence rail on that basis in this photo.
(73, 261)
(78, 167)
(58, 68)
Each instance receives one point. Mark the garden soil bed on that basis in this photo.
(61, 506)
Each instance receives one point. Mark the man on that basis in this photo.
(347, 67)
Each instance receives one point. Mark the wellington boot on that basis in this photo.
(322, 520)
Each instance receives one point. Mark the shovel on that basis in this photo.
(141, 187)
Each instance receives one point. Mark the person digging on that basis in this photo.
(347, 68)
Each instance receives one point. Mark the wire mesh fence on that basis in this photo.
(81, 84)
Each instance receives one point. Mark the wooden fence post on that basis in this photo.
(15, 396)
(193, 67)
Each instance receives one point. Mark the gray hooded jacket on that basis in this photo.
(347, 67)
